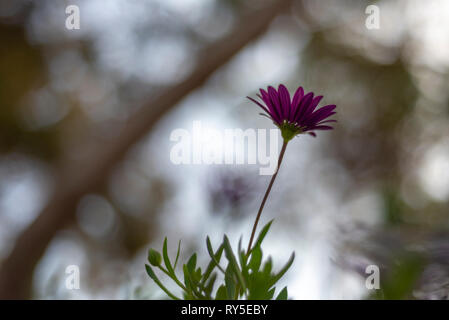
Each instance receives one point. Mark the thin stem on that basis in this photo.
(281, 156)
(179, 283)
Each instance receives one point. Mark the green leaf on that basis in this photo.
(283, 270)
(233, 262)
(230, 282)
(210, 285)
(191, 284)
(244, 265)
(221, 293)
(170, 270)
(256, 259)
(262, 234)
(189, 296)
(156, 280)
(191, 264)
(243, 259)
(270, 294)
(267, 268)
(192, 278)
(187, 281)
(197, 275)
(166, 259)
(214, 263)
(239, 247)
(258, 286)
(283, 295)
(213, 256)
(177, 255)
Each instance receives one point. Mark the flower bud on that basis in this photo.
(154, 258)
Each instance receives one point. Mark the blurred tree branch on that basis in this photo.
(75, 180)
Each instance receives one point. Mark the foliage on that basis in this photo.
(246, 275)
(402, 278)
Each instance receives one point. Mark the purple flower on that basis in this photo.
(297, 115)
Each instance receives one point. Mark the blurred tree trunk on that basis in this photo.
(17, 269)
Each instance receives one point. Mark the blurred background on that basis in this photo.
(85, 122)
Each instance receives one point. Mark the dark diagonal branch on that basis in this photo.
(17, 269)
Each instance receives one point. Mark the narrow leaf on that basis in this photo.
(270, 294)
(262, 234)
(166, 259)
(221, 293)
(190, 283)
(256, 259)
(213, 256)
(233, 262)
(267, 268)
(191, 264)
(214, 263)
(156, 280)
(177, 255)
(284, 269)
(283, 295)
(230, 282)
(244, 265)
(210, 285)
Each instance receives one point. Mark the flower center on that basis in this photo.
(289, 130)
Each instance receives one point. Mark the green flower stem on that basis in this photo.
(173, 276)
(156, 280)
(281, 156)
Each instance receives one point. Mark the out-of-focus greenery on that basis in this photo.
(402, 279)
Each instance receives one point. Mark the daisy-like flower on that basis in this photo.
(292, 117)
(297, 115)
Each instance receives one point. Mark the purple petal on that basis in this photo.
(295, 102)
(284, 98)
(311, 107)
(267, 104)
(321, 113)
(273, 112)
(265, 97)
(321, 128)
(305, 101)
(259, 104)
(327, 121)
(274, 98)
(322, 117)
